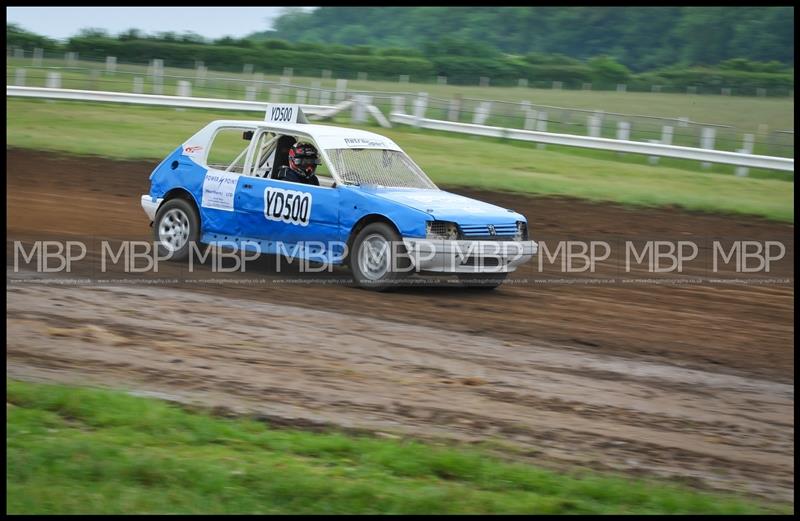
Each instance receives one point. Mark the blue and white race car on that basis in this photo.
(374, 209)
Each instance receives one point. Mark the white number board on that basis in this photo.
(280, 113)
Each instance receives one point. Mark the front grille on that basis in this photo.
(438, 229)
(480, 232)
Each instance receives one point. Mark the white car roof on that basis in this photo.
(326, 136)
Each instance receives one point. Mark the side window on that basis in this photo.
(264, 154)
(228, 150)
(322, 169)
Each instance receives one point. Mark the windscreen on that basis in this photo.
(378, 167)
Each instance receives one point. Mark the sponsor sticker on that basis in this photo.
(219, 189)
(288, 206)
(358, 142)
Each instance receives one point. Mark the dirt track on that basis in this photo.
(683, 380)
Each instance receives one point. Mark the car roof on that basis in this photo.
(327, 135)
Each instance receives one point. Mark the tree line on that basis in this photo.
(460, 61)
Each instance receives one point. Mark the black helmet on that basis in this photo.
(303, 158)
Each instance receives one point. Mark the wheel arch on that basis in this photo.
(180, 193)
(363, 222)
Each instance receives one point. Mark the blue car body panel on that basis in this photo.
(271, 215)
(334, 212)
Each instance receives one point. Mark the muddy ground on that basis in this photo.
(690, 378)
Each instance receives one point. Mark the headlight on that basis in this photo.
(522, 231)
(442, 230)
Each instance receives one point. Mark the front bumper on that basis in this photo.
(469, 256)
(150, 206)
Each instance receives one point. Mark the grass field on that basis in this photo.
(77, 450)
(745, 113)
(132, 132)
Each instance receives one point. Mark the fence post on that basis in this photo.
(557, 85)
(666, 139)
(541, 126)
(341, 89)
(623, 130)
(325, 97)
(587, 86)
(250, 93)
(707, 141)
(441, 80)
(326, 74)
(138, 85)
(111, 64)
(37, 57)
(247, 69)
(158, 76)
(362, 76)
(314, 94)
(482, 113)
(621, 87)
(530, 119)
(747, 148)
(454, 108)
(420, 105)
(53, 80)
(523, 82)
(19, 53)
(201, 74)
(593, 125)
(184, 88)
(623, 133)
(403, 78)
(301, 97)
(288, 72)
(399, 104)
(94, 74)
(484, 81)
(360, 104)
(19, 77)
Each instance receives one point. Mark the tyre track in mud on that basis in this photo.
(732, 437)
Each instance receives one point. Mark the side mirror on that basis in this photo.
(247, 135)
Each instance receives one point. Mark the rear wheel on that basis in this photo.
(374, 260)
(482, 280)
(175, 228)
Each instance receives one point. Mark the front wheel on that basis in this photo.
(482, 280)
(377, 260)
(176, 227)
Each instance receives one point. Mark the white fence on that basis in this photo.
(618, 145)
(614, 145)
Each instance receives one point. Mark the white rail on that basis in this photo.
(614, 145)
(149, 99)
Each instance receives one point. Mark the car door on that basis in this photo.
(287, 214)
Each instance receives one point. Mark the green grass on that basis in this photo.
(78, 450)
(133, 132)
(744, 112)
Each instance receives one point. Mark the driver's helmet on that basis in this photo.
(303, 158)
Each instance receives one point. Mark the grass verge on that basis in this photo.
(132, 132)
(78, 450)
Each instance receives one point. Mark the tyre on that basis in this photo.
(482, 280)
(175, 228)
(374, 261)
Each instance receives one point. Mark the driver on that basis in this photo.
(303, 161)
